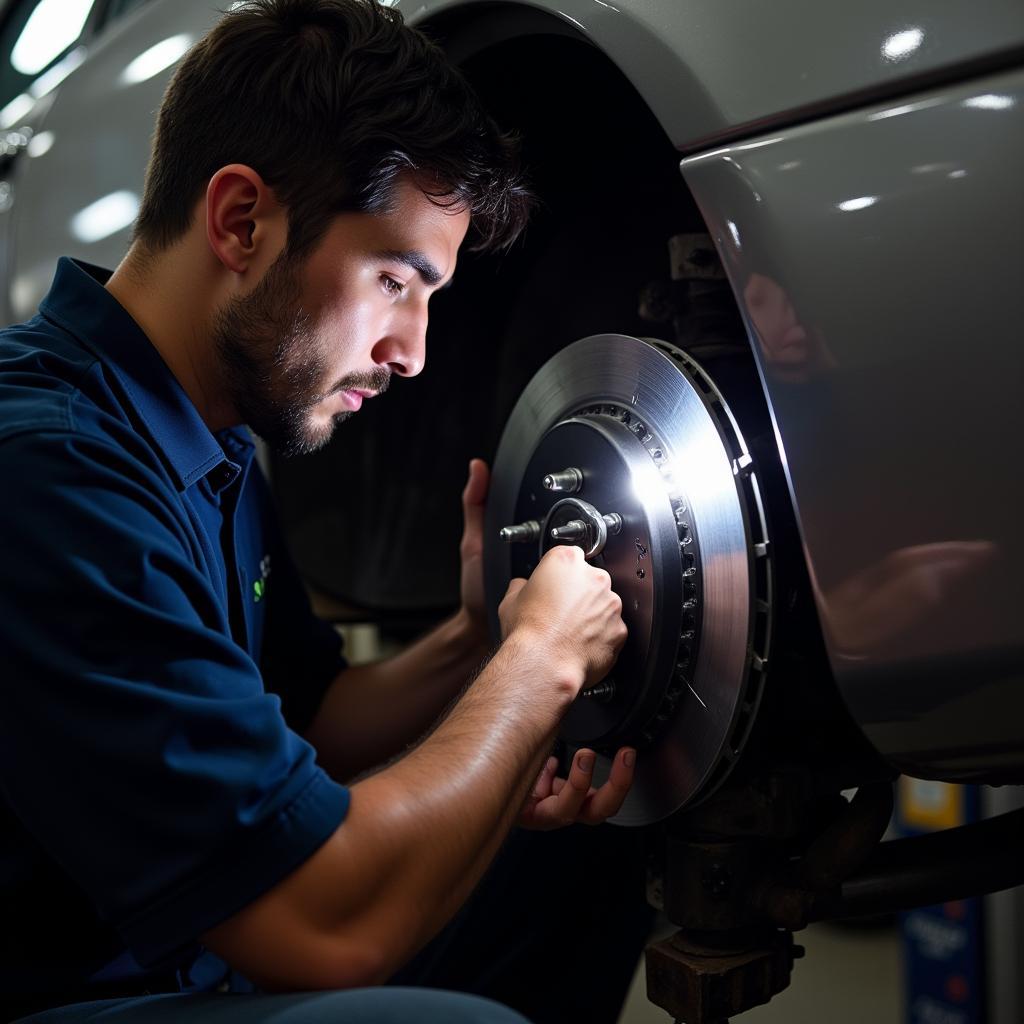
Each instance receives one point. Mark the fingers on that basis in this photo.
(569, 553)
(571, 604)
(511, 595)
(576, 789)
(573, 799)
(569, 794)
(607, 801)
(542, 788)
(474, 494)
(474, 497)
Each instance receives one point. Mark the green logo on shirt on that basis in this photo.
(259, 586)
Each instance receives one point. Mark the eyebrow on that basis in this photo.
(415, 260)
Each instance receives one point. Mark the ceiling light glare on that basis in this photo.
(104, 217)
(860, 203)
(16, 110)
(902, 44)
(51, 28)
(990, 101)
(49, 80)
(40, 143)
(156, 59)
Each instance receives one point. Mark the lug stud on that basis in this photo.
(573, 530)
(521, 533)
(567, 481)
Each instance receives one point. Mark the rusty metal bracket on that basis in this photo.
(707, 985)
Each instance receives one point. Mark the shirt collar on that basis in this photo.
(79, 302)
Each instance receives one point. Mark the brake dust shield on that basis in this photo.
(626, 448)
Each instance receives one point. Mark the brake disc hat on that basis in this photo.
(641, 438)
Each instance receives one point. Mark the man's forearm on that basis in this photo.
(416, 839)
(441, 812)
(372, 712)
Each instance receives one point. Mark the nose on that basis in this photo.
(403, 348)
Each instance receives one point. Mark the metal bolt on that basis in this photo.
(521, 533)
(568, 481)
(573, 530)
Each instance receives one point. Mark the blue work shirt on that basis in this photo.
(159, 658)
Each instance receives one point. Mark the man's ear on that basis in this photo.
(245, 225)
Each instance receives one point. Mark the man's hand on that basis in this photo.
(569, 614)
(555, 802)
(474, 498)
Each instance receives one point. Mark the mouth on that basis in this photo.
(352, 398)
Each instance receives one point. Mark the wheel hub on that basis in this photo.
(627, 451)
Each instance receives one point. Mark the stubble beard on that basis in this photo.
(272, 363)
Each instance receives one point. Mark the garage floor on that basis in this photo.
(849, 976)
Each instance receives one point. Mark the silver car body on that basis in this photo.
(859, 168)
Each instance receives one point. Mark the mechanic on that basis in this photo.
(193, 802)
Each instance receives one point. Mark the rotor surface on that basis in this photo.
(625, 448)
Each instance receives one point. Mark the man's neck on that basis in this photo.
(165, 296)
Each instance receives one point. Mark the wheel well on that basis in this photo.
(611, 195)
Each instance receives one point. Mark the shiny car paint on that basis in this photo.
(877, 257)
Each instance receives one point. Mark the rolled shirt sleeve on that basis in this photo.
(139, 745)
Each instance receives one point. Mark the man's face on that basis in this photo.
(314, 338)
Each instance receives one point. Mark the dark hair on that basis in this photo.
(330, 101)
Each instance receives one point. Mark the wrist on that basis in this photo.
(546, 659)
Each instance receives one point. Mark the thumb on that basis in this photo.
(474, 496)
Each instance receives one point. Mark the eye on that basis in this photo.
(391, 286)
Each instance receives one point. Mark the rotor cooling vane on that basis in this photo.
(626, 448)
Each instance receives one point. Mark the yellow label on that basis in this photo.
(930, 805)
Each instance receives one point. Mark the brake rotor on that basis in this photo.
(626, 448)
